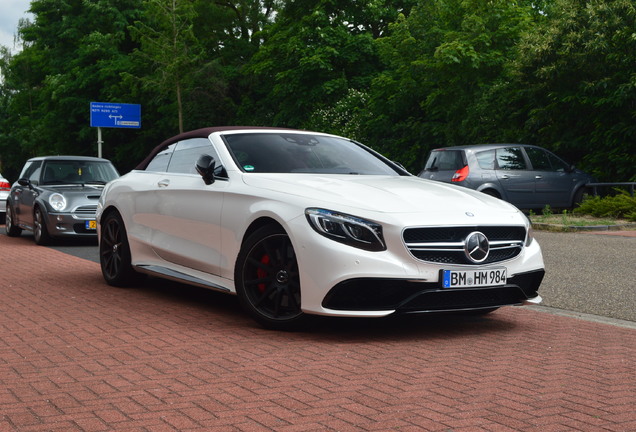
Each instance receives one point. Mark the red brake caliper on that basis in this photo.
(261, 273)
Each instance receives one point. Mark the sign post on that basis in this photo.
(114, 115)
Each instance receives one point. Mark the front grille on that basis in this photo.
(445, 245)
(86, 211)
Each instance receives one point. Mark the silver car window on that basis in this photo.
(77, 172)
(161, 159)
(486, 159)
(445, 160)
(510, 158)
(542, 160)
(186, 154)
(31, 171)
(539, 159)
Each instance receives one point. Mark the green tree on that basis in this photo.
(312, 56)
(169, 48)
(438, 62)
(73, 53)
(577, 80)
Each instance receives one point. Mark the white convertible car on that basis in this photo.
(299, 223)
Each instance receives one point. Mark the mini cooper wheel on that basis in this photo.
(268, 281)
(40, 231)
(12, 230)
(114, 252)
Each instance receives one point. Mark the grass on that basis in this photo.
(569, 221)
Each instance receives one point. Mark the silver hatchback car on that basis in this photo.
(526, 176)
(56, 196)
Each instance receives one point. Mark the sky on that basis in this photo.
(10, 13)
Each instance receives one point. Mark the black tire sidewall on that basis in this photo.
(11, 229)
(43, 238)
(290, 324)
(126, 275)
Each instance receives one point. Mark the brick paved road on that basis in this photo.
(77, 355)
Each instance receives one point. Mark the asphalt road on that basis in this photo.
(589, 273)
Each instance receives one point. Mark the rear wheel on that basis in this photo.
(40, 231)
(114, 252)
(268, 281)
(12, 230)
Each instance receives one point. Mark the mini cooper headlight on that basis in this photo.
(346, 229)
(57, 201)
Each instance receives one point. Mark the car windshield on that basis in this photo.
(77, 172)
(303, 153)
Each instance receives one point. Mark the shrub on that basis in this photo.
(620, 206)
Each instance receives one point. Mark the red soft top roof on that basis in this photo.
(198, 133)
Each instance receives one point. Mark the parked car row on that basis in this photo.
(294, 223)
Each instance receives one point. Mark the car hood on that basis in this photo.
(385, 194)
(74, 189)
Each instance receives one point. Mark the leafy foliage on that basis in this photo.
(621, 205)
(403, 76)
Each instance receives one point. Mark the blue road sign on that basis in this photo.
(115, 115)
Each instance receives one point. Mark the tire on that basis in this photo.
(12, 230)
(268, 281)
(114, 253)
(40, 231)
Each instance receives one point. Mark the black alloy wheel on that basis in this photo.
(114, 252)
(12, 230)
(268, 281)
(40, 231)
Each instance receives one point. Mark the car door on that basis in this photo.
(553, 179)
(24, 196)
(513, 175)
(187, 226)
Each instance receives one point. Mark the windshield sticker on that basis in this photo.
(248, 167)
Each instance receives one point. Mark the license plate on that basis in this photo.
(473, 278)
(91, 225)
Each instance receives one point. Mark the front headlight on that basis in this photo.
(57, 201)
(346, 229)
(530, 231)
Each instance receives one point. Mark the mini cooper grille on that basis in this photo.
(85, 211)
(445, 245)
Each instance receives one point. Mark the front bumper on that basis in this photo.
(352, 282)
(405, 296)
(68, 224)
(3, 201)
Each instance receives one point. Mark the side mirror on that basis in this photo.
(25, 182)
(205, 167)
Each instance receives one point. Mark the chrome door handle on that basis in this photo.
(539, 177)
(163, 183)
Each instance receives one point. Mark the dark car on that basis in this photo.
(56, 196)
(527, 176)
